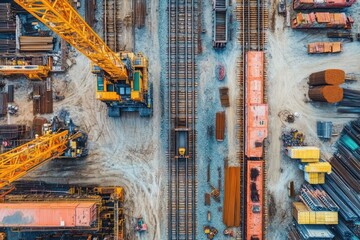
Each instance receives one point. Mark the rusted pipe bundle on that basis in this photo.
(28, 43)
(327, 77)
(330, 94)
(6, 13)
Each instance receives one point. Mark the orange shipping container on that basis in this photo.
(255, 77)
(256, 125)
(48, 214)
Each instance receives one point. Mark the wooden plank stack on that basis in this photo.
(140, 13)
(38, 44)
(231, 213)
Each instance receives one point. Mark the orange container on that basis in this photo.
(48, 214)
(220, 126)
(254, 220)
(255, 77)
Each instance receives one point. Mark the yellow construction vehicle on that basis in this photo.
(33, 72)
(122, 78)
(64, 140)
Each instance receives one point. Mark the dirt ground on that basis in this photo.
(289, 66)
(126, 151)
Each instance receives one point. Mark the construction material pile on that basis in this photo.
(314, 170)
(7, 29)
(324, 47)
(293, 138)
(224, 96)
(41, 44)
(231, 210)
(42, 98)
(351, 102)
(324, 86)
(322, 20)
(140, 13)
(324, 129)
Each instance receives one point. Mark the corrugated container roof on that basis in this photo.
(315, 232)
(323, 167)
(257, 123)
(303, 152)
(47, 214)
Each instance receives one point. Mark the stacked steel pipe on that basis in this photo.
(7, 26)
(41, 44)
(351, 102)
(325, 86)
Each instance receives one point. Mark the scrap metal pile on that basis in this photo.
(293, 138)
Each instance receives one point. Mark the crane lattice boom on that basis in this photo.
(19, 161)
(62, 18)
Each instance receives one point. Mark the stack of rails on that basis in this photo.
(90, 7)
(182, 77)
(36, 44)
(140, 13)
(42, 98)
(231, 209)
(220, 32)
(252, 15)
(111, 24)
(7, 29)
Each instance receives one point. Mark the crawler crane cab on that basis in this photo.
(122, 78)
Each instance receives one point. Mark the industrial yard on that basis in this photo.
(179, 119)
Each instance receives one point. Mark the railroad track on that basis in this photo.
(182, 50)
(112, 24)
(253, 18)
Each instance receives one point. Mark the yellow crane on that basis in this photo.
(33, 72)
(122, 78)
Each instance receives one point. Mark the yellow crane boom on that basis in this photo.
(31, 71)
(62, 18)
(19, 161)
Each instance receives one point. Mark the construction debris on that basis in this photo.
(293, 138)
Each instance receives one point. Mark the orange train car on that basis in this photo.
(256, 110)
(48, 214)
(254, 198)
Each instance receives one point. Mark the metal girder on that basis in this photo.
(63, 19)
(19, 161)
(31, 71)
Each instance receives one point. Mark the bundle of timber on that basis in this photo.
(38, 124)
(140, 13)
(42, 44)
(231, 209)
(224, 96)
(327, 77)
(220, 126)
(7, 45)
(324, 47)
(330, 94)
(42, 98)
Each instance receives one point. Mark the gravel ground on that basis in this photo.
(289, 66)
(208, 149)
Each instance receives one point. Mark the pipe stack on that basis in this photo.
(325, 86)
(42, 44)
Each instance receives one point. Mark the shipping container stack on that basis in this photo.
(324, 86)
(340, 192)
(314, 170)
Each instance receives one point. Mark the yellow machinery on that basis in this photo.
(19, 161)
(122, 79)
(33, 72)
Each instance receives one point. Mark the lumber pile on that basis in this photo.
(231, 209)
(41, 44)
(7, 19)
